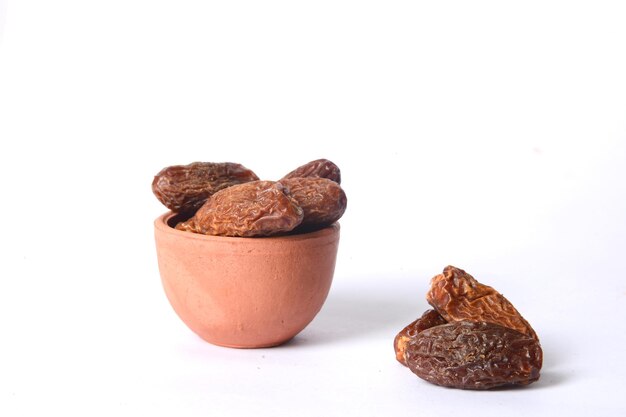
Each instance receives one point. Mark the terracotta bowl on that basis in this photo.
(245, 292)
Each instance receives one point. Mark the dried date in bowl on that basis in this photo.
(257, 208)
(185, 188)
(320, 168)
(323, 201)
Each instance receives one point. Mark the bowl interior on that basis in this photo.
(176, 218)
(172, 219)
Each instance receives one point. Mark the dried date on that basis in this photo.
(474, 355)
(429, 319)
(185, 188)
(258, 208)
(322, 200)
(320, 168)
(457, 296)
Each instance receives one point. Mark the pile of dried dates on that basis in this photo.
(228, 199)
(473, 338)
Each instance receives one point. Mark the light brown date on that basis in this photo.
(322, 200)
(258, 208)
(457, 296)
(185, 188)
(474, 355)
(320, 168)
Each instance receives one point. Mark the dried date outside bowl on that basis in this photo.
(245, 292)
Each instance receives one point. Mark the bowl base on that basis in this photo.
(250, 346)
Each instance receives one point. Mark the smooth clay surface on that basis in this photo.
(246, 292)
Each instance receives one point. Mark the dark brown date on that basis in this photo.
(258, 208)
(184, 188)
(457, 296)
(429, 319)
(474, 355)
(320, 168)
(322, 200)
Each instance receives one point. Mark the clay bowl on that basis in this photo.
(245, 292)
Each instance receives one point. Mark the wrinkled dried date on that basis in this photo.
(485, 343)
(457, 296)
(322, 200)
(320, 168)
(429, 319)
(474, 355)
(184, 188)
(259, 208)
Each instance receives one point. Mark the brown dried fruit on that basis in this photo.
(184, 188)
(457, 296)
(322, 200)
(259, 208)
(320, 168)
(474, 355)
(429, 319)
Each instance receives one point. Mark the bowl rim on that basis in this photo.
(160, 224)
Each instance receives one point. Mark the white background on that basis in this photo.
(487, 135)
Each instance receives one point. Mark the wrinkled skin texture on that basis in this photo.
(185, 188)
(258, 208)
(320, 168)
(457, 296)
(429, 319)
(322, 200)
(474, 355)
